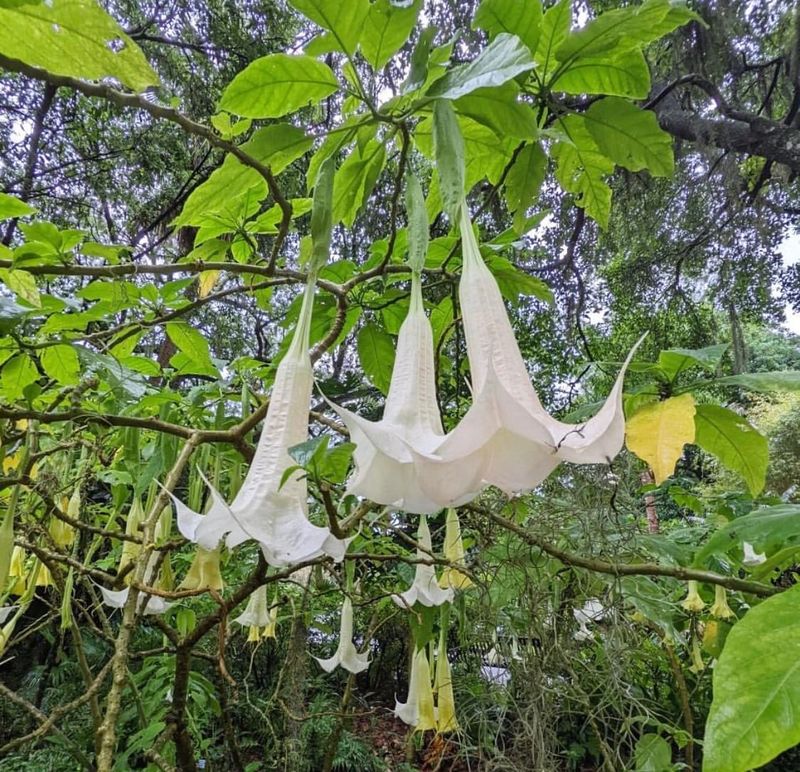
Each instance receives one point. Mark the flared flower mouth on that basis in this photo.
(425, 589)
(418, 710)
(267, 508)
(260, 619)
(346, 655)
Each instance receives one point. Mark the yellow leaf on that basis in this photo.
(207, 280)
(658, 432)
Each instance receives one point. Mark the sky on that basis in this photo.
(790, 249)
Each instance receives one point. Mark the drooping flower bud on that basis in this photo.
(204, 572)
(425, 589)
(346, 655)
(260, 619)
(418, 710)
(693, 602)
(454, 552)
(720, 607)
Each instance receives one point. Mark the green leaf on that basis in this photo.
(523, 181)
(190, 342)
(23, 284)
(18, 373)
(513, 282)
(11, 207)
(675, 360)
(448, 146)
(417, 224)
(376, 353)
(753, 715)
(355, 179)
(581, 168)
(76, 38)
(778, 380)
(420, 56)
(276, 146)
(278, 84)
(322, 215)
(768, 529)
(523, 19)
(503, 59)
(624, 74)
(61, 363)
(652, 754)
(499, 109)
(622, 28)
(738, 445)
(386, 28)
(630, 136)
(344, 20)
(555, 28)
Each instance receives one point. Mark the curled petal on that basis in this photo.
(146, 604)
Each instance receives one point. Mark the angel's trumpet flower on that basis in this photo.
(131, 549)
(751, 557)
(204, 572)
(274, 514)
(446, 720)
(693, 602)
(64, 533)
(720, 607)
(258, 617)
(346, 655)
(418, 710)
(17, 572)
(145, 604)
(507, 438)
(389, 452)
(454, 552)
(425, 589)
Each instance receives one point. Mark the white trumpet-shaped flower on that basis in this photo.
(454, 552)
(418, 710)
(507, 438)
(346, 654)
(425, 589)
(258, 616)
(118, 598)
(389, 452)
(273, 514)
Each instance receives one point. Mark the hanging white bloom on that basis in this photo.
(418, 710)
(273, 514)
(118, 598)
(346, 654)
(388, 451)
(425, 589)
(258, 617)
(751, 557)
(507, 438)
(592, 611)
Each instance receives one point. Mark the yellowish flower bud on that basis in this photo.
(693, 602)
(204, 572)
(720, 607)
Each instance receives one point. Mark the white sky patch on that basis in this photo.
(790, 250)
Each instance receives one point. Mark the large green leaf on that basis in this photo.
(499, 109)
(621, 73)
(523, 19)
(448, 144)
(768, 529)
(555, 28)
(503, 59)
(13, 207)
(675, 360)
(355, 179)
(386, 28)
(75, 38)
(737, 444)
(621, 28)
(753, 715)
(190, 342)
(376, 353)
(278, 84)
(61, 363)
(18, 372)
(630, 136)
(524, 179)
(778, 380)
(581, 169)
(345, 20)
(276, 146)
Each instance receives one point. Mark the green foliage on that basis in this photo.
(756, 693)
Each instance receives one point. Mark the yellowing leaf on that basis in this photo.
(658, 432)
(207, 281)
